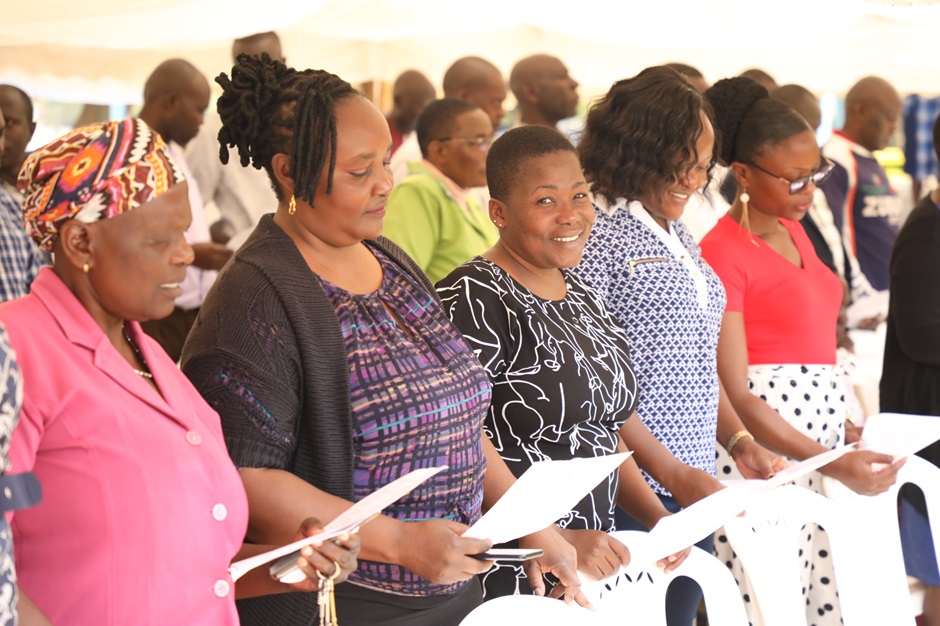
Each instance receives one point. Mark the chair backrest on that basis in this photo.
(882, 594)
(637, 593)
(864, 539)
(766, 540)
(521, 609)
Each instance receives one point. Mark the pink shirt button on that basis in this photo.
(193, 437)
(219, 512)
(221, 588)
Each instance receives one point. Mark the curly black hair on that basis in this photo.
(641, 135)
(268, 108)
(513, 149)
(747, 119)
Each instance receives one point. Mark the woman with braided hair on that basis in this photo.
(776, 347)
(334, 368)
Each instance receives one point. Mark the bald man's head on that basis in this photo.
(545, 91)
(872, 110)
(411, 93)
(761, 77)
(257, 44)
(478, 81)
(801, 100)
(692, 74)
(176, 96)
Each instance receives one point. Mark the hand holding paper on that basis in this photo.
(900, 435)
(525, 507)
(352, 518)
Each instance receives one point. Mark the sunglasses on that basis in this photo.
(799, 184)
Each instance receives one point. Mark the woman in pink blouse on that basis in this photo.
(142, 510)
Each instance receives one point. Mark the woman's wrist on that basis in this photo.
(735, 439)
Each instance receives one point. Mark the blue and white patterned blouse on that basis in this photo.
(670, 302)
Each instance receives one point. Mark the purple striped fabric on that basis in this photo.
(419, 396)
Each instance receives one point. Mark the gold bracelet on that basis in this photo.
(735, 438)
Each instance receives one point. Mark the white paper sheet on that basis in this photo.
(349, 519)
(693, 523)
(806, 466)
(900, 435)
(542, 495)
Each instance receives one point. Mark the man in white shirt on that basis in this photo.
(176, 96)
(241, 195)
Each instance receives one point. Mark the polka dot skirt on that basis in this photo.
(812, 399)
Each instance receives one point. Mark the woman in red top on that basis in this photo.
(777, 347)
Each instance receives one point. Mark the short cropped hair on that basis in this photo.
(439, 120)
(516, 147)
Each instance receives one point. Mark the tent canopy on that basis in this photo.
(102, 52)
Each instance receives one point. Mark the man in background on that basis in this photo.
(18, 112)
(864, 206)
(692, 74)
(544, 89)
(176, 97)
(431, 214)
(411, 93)
(20, 258)
(761, 77)
(472, 79)
(241, 195)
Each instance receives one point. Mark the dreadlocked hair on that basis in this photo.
(268, 108)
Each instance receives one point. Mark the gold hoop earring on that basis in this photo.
(85, 268)
(292, 207)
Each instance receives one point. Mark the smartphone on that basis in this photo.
(509, 554)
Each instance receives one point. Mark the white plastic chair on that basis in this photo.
(522, 609)
(637, 593)
(767, 541)
(882, 593)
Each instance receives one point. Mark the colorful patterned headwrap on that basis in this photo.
(91, 174)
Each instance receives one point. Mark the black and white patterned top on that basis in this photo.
(562, 379)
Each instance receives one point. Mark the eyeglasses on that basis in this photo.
(799, 184)
(480, 142)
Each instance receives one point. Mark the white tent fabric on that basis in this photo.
(103, 51)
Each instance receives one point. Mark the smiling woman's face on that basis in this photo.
(667, 203)
(549, 214)
(139, 258)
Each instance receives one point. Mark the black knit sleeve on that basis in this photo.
(242, 357)
(915, 300)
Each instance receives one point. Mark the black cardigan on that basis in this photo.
(910, 380)
(266, 325)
